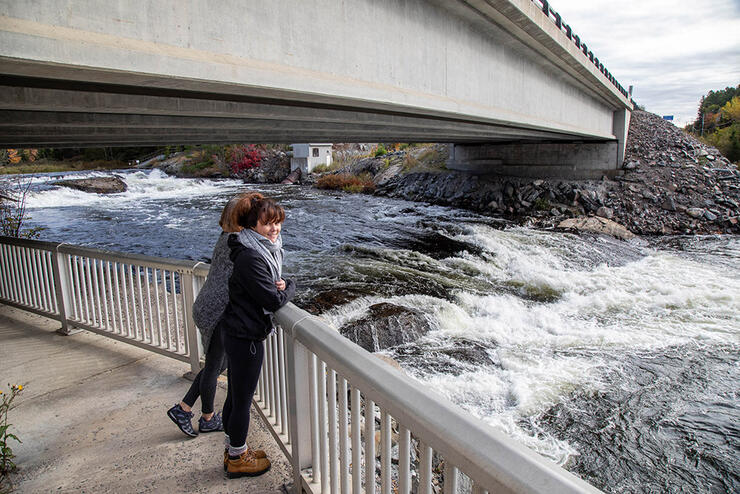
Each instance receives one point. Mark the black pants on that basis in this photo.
(204, 384)
(245, 363)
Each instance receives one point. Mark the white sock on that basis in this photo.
(236, 451)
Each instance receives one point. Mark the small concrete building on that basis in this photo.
(309, 156)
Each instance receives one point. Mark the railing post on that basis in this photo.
(299, 406)
(62, 289)
(189, 290)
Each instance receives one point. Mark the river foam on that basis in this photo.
(142, 185)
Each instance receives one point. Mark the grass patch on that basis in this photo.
(203, 168)
(433, 158)
(347, 183)
(323, 168)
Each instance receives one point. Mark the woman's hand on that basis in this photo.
(280, 284)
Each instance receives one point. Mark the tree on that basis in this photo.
(731, 110)
(13, 214)
(712, 102)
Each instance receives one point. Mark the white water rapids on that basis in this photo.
(548, 350)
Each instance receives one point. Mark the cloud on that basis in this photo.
(672, 51)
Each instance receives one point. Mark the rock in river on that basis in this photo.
(385, 326)
(596, 224)
(98, 185)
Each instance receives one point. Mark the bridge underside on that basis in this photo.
(44, 112)
(498, 78)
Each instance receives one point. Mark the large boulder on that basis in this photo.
(97, 185)
(387, 325)
(596, 224)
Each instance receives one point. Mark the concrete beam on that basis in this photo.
(22, 123)
(556, 159)
(103, 101)
(38, 120)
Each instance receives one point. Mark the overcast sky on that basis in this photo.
(672, 51)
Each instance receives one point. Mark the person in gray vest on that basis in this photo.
(208, 309)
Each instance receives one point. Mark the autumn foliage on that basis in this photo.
(245, 157)
(15, 156)
(718, 121)
(346, 182)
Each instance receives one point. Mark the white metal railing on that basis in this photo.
(138, 299)
(347, 421)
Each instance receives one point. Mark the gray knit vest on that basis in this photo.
(211, 302)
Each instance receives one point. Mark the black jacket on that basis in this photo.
(251, 290)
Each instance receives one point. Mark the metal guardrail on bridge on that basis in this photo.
(322, 396)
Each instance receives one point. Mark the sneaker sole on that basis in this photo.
(236, 475)
(206, 431)
(174, 419)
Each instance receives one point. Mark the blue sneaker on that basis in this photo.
(181, 418)
(215, 424)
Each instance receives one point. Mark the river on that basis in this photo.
(618, 360)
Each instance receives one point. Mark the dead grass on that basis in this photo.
(347, 183)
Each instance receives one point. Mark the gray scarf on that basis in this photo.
(271, 252)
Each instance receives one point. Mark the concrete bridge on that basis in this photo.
(508, 81)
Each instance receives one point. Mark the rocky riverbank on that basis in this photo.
(671, 183)
(273, 165)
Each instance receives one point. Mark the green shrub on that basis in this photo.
(380, 151)
(727, 141)
(541, 204)
(201, 168)
(7, 466)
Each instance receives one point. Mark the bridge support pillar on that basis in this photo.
(621, 127)
(566, 160)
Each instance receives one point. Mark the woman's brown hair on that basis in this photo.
(249, 212)
(229, 221)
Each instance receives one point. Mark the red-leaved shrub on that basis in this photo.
(245, 157)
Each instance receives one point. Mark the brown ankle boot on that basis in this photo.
(257, 453)
(247, 465)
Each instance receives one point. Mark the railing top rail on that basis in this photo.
(24, 242)
(201, 269)
(142, 260)
(488, 456)
(198, 268)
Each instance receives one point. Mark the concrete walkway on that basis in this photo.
(92, 417)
